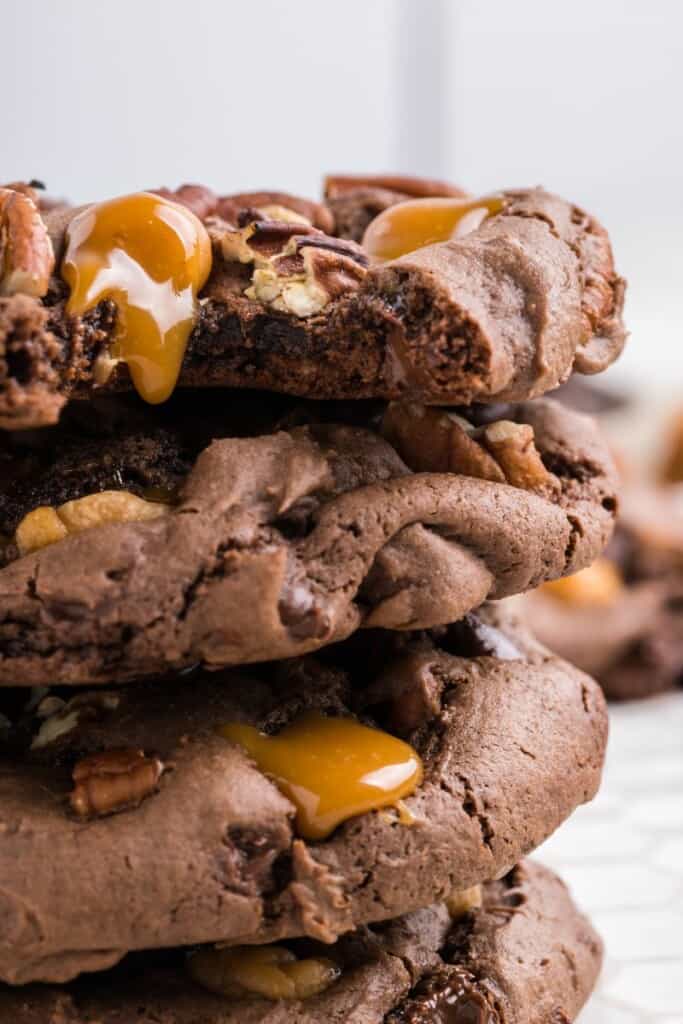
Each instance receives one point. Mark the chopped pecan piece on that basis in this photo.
(462, 901)
(59, 717)
(26, 256)
(112, 781)
(296, 268)
(28, 188)
(437, 441)
(433, 440)
(514, 449)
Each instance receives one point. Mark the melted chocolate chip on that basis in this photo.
(447, 998)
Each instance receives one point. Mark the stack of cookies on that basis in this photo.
(269, 752)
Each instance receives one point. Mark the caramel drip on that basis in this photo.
(331, 768)
(150, 256)
(419, 222)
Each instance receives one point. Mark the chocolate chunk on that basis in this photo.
(447, 998)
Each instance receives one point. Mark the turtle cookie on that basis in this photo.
(496, 298)
(212, 808)
(515, 952)
(131, 549)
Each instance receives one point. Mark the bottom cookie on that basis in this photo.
(524, 956)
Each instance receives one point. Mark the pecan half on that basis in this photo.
(46, 525)
(272, 972)
(112, 781)
(59, 717)
(197, 198)
(35, 190)
(461, 901)
(26, 256)
(27, 188)
(407, 185)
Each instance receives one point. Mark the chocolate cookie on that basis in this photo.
(622, 618)
(281, 543)
(526, 956)
(504, 312)
(129, 822)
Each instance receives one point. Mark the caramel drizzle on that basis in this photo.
(332, 768)
(149, 256)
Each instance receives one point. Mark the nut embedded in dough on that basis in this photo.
(434, 440)
(46, 525)
(112, 781)
(296, 268)
(461, 901)
(514, 449)
(272, 972)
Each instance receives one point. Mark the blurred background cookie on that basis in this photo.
(621, 619)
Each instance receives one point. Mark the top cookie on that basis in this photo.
(504, 311)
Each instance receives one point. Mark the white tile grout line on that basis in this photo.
(632, 885)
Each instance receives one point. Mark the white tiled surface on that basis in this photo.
(622, 855)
